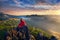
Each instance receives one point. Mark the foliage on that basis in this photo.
(9, 24)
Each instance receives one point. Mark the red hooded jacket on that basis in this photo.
(21, 24)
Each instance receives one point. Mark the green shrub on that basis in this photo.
(9, 24)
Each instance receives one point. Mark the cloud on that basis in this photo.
(32, 4)
(17, 1)
(3, 0)
(37, 6)
(24, 2)
(51, 1)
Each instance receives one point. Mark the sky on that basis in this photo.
(29, 7)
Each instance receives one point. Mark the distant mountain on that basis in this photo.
(7, 16)
(3, 16)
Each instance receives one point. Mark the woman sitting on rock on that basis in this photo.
(22, 27)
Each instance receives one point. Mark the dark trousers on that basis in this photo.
(24, 29)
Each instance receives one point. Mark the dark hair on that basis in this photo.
(21, 19)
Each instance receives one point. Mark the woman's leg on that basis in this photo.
(17, 28)
(25, 28)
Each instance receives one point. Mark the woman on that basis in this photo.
(22, 27)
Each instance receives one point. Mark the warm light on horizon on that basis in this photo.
(30, 12)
